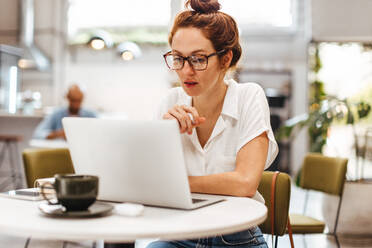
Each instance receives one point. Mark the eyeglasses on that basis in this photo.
(198, 62)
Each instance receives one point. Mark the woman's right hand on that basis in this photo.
(187, 117)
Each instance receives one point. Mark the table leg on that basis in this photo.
(98, 244)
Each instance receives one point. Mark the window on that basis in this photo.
(148, 21)
(121, 18)
(260, 15)
(346, 69)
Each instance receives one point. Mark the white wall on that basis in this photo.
(342, 20)
(8, 22)
(133, 88)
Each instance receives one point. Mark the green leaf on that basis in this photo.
(363, 109)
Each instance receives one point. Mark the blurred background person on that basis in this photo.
(51, 127)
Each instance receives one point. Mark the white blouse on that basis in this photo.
(245, 115)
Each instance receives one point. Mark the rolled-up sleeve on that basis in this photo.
(255, 120)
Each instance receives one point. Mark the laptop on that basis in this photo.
(136, 161)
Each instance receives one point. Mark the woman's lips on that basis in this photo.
(190, 84)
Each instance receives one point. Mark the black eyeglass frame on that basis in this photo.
(188, 59)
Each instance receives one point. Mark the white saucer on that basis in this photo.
(96, 209)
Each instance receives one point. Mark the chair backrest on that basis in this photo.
(46, 162)
(282, 197)
(322, 173)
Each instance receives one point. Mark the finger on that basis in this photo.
(191, 118)
(194, 114)
(201, 120)
(187, 119)
(197, 119)
(173, 111)
(190, 123)
(168, 116)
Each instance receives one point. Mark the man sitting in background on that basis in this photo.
(51, 126)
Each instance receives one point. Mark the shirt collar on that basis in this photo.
(230, 104)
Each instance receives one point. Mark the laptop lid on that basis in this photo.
(135, 160)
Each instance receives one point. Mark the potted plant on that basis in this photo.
(324, 111)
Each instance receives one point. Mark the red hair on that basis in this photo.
(220, 28)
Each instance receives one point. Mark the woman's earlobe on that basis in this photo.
(226, 60)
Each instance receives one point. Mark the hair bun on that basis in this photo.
(204, 6)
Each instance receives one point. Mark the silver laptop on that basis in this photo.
(136, 161)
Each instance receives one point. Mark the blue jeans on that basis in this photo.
(251, 238)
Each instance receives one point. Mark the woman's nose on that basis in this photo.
(187, 68)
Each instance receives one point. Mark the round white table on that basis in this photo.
(23, 218)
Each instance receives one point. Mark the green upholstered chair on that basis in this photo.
(46, 162)
(282, 198)
(320, 173)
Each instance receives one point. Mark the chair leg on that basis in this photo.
(2, 153)
(13, 166)
(305, 202)
(337, 241)
(276, 241)
(27, 242)
(337, 214)
(304, 240)
(336, 222)
(4, 147)
(18, 165)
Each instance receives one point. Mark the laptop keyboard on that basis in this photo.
(194, 200)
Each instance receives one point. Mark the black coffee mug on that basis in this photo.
(74, 192)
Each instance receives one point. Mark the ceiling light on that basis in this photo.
(129, 50)
(97, 43)
(100, 39)
(26, 63)
(127, 55)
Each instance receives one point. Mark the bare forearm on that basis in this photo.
(229, 183)
(52, 135)
(56, 134)
(244, 180)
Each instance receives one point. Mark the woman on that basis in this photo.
(227, 137)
